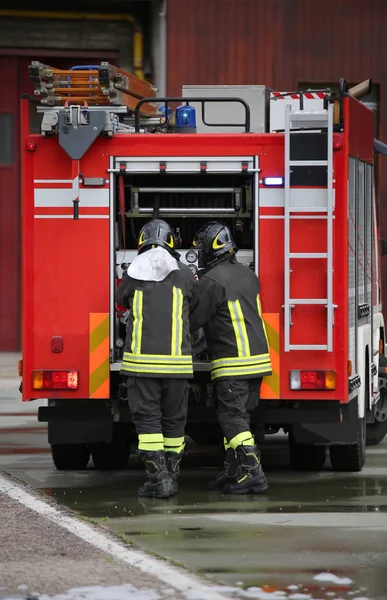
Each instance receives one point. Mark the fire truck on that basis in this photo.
(292, 174)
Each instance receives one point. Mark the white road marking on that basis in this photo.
(173, 576)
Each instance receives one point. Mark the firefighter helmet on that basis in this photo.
(156, 233)
(213, 241)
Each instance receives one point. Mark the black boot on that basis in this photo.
(173, 464)
(160, 485)
(251, 478)
(231, 470)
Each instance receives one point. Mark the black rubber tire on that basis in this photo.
(306, 457)
(70, 457)
(376, 432)
(113, 456)
(350, 457)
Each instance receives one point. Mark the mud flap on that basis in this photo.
(340, 432)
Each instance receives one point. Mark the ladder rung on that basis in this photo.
(306, 115)
(308, 163)
(308, 301)
(308, 255)
(308, 209)
(307, 347)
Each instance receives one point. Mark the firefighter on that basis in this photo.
(229, 311)
(157, 361)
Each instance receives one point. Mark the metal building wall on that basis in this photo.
(281, 43)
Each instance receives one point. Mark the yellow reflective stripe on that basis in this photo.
(259, 308)
(250, 367)
(157, 358)
(241, 371)
(99, 349)
(237, 440)
(174, 444)
(243, 330)
(151, 437)
(177, 321)
(226, 444)
(242, 478)
(151, 441)
(236, 326)
(174, 441)
(239, 360)
(166, 370)
(270, 389)
(137, 322)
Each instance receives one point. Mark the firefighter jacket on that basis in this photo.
(159, 292)
(229, 310)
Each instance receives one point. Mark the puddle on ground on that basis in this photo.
(306, 524)
(289, 491)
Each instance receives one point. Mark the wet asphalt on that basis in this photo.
(315, 535)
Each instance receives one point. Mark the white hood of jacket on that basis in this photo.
(153, 265)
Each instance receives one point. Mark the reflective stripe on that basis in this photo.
(238, 440)
(237, 361)
(259, 308)
(174, 444)
(177, 321)
(137, 322)
(151, 442)
(270, 388)
(226, 444)
(241, 371)
(239, 326)
(99, 363)
(157, 358)
(160, 369)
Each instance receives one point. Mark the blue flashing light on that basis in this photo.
(273, 181)
(185, 117)
(161, 110)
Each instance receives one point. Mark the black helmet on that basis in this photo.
(213, 241)
(156, 233)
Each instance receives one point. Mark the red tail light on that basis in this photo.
(312, 380)
(55, 380)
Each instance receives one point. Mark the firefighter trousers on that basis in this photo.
(159, 412)
(235, 399)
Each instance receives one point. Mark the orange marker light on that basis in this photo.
(330, 380)
(37, 380)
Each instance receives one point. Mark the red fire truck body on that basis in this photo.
(301, 201)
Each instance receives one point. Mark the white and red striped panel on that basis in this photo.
(278, 101)
(308, 95)
(53, 199)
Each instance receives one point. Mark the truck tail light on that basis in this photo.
(55, 380)
(312, 380)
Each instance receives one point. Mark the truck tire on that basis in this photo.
(70, 457)
(376, 432)
(350, 457)
(306, 457)
(113, 456)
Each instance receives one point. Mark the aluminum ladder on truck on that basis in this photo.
(309, 120)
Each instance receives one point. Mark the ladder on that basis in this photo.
(315, 120)
(91, 85)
